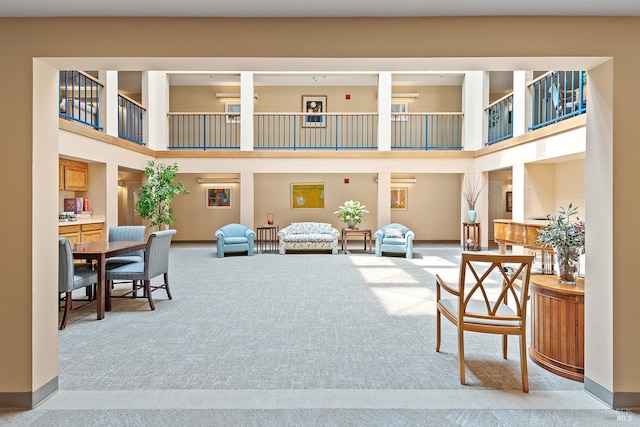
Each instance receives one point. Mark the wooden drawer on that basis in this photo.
(71, 232)
(91, 232)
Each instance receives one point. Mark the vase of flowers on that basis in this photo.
(567, 239)
(351, 213)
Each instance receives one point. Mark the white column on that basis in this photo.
(521, 109)
(247, 190)
(517, 189)
(155, 98)
(109, 103)
(384, 112)
(384, 193)
(246, 111)
(475, 96)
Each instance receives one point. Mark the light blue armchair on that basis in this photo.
(394, 238)
(235, 238)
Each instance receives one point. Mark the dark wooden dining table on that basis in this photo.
(100, 251)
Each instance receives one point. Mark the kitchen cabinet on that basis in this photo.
(77, 233)
(91, 232)
(74, 176)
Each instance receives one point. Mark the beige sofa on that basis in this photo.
(308, 236)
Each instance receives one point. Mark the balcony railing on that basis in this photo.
(130, 120)
(323, 131)
(500, 120)
(556, 96)
(442, 131)
(79, 97)
(298, 131)
(204, 131)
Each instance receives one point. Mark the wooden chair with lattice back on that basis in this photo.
(479, 304)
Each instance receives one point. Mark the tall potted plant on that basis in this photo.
(154, 202)
(567, 239)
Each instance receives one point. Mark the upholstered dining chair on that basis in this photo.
(394, 238)
(234, 238)
(155, 263)
(132, 233)
(490, 297)
(71, 277)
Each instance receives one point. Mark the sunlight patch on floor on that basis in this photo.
(406, 301)
(368, 260)
(434, 261)
(386, 275)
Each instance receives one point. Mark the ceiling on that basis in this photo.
(326, 8)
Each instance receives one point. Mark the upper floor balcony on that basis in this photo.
(201, 117)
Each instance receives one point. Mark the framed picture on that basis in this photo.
(396, 109)
(399, 198)
(307, 195)
(314, 104)
(509, 201)
(218, 197)
(232, 107)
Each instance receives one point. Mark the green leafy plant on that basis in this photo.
(567, 238)
(351, 211)
(154, 202)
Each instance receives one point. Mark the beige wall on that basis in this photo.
(288, 99)
(27, 316)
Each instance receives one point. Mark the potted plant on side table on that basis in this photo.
(154, 202)
(567, 239)
(351, 213)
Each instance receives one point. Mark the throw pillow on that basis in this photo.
(393, 232)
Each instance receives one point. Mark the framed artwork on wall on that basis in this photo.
(314, 104)
(232, 107)
(307, 195)
(397, 108)
(509, 201)
(217, 197)
(399, 198)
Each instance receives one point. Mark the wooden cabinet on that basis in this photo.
(71, 232)
(91, 232)
(557, 326)
(82, 233)
(74, 176)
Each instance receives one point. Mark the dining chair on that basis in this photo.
(71, 277)
(155, 263)
(490, 297)
(133, 233)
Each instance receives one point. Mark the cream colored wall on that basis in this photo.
(552, 185)
(273, 195)
(569, 185)
(288, 99)
(613, 198)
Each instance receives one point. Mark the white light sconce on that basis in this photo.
(405, 95)
(509, 184)
(218, 180)
(232, 95)
(403, 180)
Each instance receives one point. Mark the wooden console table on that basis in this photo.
(557, 326)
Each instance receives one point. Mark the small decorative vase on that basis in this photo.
(568, 258)
(351, 224)
(472, 216)
(270, 218)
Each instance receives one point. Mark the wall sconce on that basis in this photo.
(405, 95)
(218, 180)
(509, 183)
(232, 95)
(403, 180)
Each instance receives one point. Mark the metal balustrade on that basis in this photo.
(297, 131)
(204, 131)
(130, 120)
(556, 96)
(500, 120)
(442, 131)
(79, 97)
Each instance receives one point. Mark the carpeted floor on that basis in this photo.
(296, 339)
